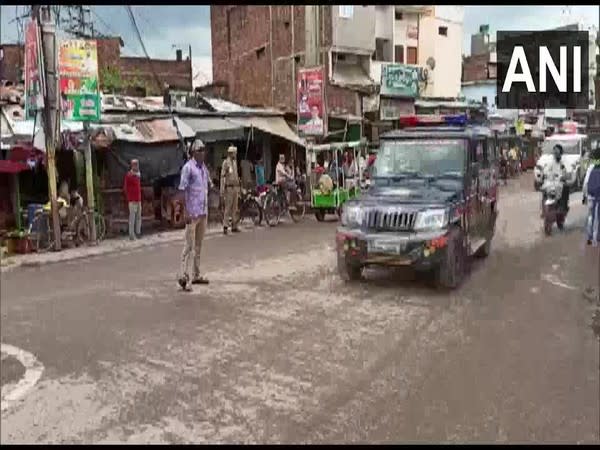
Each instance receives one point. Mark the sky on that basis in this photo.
(163, 27)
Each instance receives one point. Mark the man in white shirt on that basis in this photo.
(282, 178)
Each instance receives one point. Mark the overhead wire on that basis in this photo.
(141, 41)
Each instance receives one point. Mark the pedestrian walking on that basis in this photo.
(591, 196)
(132, 186)
(194, 185)
(230, 190)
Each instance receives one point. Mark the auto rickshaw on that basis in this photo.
(331, 188)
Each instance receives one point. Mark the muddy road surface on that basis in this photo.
(277, 349)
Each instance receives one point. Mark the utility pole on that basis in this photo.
(89, 181)
(50, 122)
(311, 35)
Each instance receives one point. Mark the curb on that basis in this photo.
(93, 251)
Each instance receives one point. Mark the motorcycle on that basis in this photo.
(251, 206)
(552, 209)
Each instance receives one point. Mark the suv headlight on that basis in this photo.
(433, 219)
(352, 215)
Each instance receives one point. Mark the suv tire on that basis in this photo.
(452, 270)
(347, 271)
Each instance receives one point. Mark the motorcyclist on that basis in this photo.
(555, 170)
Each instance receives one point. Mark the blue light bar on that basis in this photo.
(456, 119)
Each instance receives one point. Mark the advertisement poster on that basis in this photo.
(311, 102)
(78, 69)
(399, 80)
(34, 82)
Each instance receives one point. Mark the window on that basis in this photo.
(260, 52)
(286, 24)
(399, 54)
(443, 31)
(340, 57)
(346, 11)
(381, 45)
(411, 55)
(398, 15)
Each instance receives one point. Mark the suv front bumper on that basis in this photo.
(422, 250)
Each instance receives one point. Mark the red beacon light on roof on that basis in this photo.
(425, 120)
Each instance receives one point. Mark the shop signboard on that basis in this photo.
(78, 69)
(399, 80)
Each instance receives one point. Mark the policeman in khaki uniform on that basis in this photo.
(230, 190)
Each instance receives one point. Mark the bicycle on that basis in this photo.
(276, 204)
(83, 230)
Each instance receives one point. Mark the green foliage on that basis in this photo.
(112, 81)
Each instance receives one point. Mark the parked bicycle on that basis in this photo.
(74, 227)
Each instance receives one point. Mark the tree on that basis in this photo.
(112, 81)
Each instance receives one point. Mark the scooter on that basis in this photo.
(552, 210)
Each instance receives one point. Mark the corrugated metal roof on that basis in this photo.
(272, 125)
(207, 124)
(151, 131)
(224, 106)
(213, 129)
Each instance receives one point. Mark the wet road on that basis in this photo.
(278, 350)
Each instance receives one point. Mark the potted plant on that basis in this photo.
(18, 242)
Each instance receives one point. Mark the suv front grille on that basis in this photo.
(390, 220)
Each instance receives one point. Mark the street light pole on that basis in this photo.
(50, 122)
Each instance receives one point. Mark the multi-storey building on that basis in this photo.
(257, 50)
(139, 72)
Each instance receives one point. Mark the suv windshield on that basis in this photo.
(421, 157)
(570, 147)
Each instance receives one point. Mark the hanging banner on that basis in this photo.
(310, 96)
(34, 72)
(399, 80)
(78, 69)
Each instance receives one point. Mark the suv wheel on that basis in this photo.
(452, 269)
(347, 271)
(485, 249)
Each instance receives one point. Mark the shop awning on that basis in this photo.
(213, 129)
(12, 167)
(276, 126)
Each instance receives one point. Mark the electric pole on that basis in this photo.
(50, 122)
(312, 35)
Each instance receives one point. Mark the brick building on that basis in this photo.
(12, 61)
(136, 71)
(257, 51)
(479, 70)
